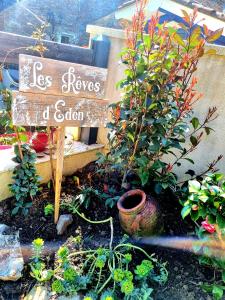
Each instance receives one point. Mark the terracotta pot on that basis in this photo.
(139, 215)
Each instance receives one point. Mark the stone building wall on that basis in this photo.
(67, 18)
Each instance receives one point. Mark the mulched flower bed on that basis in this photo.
(185, 274)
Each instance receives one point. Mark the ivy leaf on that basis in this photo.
(194, 186)
(185, 211)
(195, 122)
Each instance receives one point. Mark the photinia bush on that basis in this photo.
(155, 116)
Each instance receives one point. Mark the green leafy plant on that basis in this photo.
(206, 201)
(106, 273)
(205, 206)
(88, 195)
(25, 180)
(155, 116)
(49, 209)
(38, 267)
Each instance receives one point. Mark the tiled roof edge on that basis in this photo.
(204, 9)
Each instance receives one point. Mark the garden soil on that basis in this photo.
(185, 273)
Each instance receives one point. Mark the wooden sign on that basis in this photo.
(46, 110)
(58, 93)
(47, 76)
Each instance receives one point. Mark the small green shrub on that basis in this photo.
(37, 265)
(49, 209)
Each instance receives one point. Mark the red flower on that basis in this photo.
(208, 227)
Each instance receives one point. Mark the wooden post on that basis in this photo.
(59, 169)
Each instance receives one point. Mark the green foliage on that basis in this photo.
(206, 199)
(106, 274)
(57, 286)
(38, 267)
(205, 203)
(25, 180)
(155, 116)
(144, 269)
(49, 209)
(89, 194)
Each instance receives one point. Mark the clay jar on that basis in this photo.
(138, 215)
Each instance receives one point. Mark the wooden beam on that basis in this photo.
(13, 44)
(59, 169)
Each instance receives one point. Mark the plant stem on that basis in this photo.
(134, 247)
(105, 283)
(99, 278)
(110, 220)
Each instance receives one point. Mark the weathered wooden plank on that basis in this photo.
(13, 44)
(59, 169)
(47, 76)
(47, 110)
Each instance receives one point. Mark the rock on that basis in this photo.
(175, 269)
(63, 222)
(4, 229)
(38, 292)
(11, 258)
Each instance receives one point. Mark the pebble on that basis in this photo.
(63, 222)
(175, 269)
(185, 287)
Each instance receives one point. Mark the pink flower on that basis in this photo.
(208, 227)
